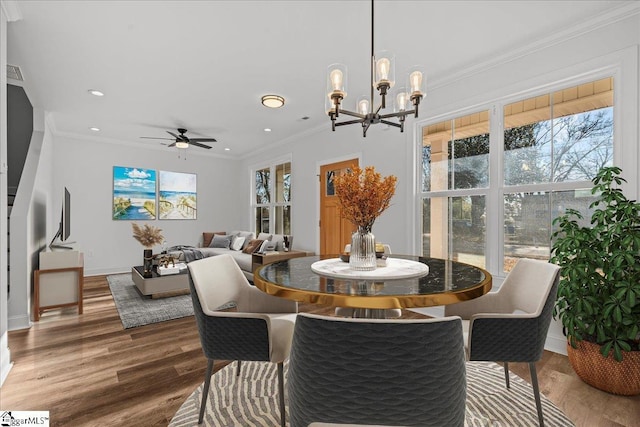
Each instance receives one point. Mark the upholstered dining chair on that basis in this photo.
(377, 372)
(389, 313)
(511, 325)
(260, 329)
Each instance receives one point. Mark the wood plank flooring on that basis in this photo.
(87, 371)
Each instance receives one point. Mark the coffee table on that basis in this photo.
(160, 286)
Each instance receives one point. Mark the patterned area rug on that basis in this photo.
(251, 399)
(136, 309)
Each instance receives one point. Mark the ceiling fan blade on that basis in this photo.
(174, 135)
(203, 140)
(153, 137)
(197, 144)
(172, 145)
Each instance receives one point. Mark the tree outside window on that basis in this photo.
(552, 145)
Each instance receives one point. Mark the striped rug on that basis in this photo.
(251, 399)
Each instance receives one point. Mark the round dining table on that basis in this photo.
(307, 279)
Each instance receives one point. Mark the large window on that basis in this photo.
(272, 202)
(547, 150)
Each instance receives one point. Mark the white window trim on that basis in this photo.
(494, 239)
(271, 164)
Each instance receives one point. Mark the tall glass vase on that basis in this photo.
(363, 250)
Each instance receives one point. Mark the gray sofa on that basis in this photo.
(238, 243)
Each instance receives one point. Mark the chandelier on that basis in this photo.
(383, 79)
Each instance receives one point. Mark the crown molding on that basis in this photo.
(11, 10)
(616, 14)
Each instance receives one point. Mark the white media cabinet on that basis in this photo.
(59, 281)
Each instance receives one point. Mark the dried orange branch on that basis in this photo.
(364, 195)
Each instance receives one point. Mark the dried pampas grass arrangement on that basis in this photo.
(147, 235)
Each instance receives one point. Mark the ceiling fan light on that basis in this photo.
(272, 101)
(182, 144)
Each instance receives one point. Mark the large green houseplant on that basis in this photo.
(599, 291)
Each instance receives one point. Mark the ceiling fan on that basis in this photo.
(182, 141)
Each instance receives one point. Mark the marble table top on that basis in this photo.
(395, 268)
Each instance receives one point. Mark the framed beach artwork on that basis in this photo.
(177, 197)
(134, 193)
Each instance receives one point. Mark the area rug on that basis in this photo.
(136, 309)
(251, 399)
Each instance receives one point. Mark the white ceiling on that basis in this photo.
(204, 65)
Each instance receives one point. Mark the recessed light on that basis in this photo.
(96, 92)
(272, 101)
(95, 129)
(227, 149)
(267, 130)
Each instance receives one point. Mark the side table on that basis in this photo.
(59, 281)
(258, 260)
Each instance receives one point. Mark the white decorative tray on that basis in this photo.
(396, 268)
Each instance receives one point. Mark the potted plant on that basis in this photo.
(598, 298)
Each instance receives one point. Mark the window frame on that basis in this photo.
(272, 205)
(496, 190)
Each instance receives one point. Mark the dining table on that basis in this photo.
(398, 282)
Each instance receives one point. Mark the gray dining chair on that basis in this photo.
(377, 372)
(260, 329)
(390, 313)
(511, 325)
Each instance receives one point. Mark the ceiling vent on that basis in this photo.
(13, 72)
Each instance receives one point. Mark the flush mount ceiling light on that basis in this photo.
(272, 101)
(96, 92)
(383, 79)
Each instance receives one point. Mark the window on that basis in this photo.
(550, 147)
(272, 201)
(455, 177)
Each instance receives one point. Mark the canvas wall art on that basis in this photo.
(134, 193)
(177, 197)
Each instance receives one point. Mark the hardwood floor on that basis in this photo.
(87, 371)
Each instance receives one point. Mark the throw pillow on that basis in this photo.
(208, 236)
(278, 240)
(220, 241)
(263, 246)
(248, 236)
(252, 246)
(236, 243)
(264, 236)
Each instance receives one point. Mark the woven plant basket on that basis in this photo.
(621, 378)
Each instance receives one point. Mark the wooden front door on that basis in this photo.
(335, 232)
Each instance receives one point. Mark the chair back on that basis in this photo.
(370, 371)
(214, 282)
(528, 286)
(519, 333)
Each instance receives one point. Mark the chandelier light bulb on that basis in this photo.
(336, 80)
(401, 100)
(383, 66)
(415, 79)
(363, 106)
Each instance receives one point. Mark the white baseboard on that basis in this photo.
(18, 322)
(107, 271)
(5, 358)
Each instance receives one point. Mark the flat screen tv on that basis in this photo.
(60, 240)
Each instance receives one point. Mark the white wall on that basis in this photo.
(85, 167)
(387, 150)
